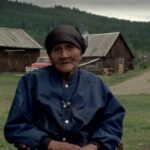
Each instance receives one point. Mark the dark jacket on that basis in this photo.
(81, 112)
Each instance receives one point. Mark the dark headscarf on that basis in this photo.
(65, 33)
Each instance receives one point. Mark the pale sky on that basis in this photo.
(134, 10)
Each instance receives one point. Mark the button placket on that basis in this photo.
(63, 139)
(66, 85)
(66, 110)
(66, 116)
(66, 103)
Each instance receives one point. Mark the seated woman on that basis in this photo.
(63, 107)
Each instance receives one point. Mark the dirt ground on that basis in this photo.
(136, 85)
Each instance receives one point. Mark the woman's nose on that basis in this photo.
(64, 53)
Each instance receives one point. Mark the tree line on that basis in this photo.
(37, 21)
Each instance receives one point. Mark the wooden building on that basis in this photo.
(17, 50)
(107, 53)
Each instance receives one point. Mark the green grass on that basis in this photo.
(137, 123)
(136, 135)
(8, 84)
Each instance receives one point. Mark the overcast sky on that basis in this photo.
(134, 10)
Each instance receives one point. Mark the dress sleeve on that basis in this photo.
(109, 122)
(19, 127)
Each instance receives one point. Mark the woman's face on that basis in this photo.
(65, 57)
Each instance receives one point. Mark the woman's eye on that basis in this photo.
(56, 49)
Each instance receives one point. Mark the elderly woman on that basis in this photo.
(63, 107)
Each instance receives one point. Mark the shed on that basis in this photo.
(17, 49)
(107, 53)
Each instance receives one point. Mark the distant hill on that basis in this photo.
(38, 21)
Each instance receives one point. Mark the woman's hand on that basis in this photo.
(57, 145)
(89, 147)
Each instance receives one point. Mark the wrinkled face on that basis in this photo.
(65, 57)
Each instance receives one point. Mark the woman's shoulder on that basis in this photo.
(89, 75)
(38, 73)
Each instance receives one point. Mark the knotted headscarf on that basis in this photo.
(62, 34)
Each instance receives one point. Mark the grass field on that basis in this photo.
(8, 84)
(136, 124)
